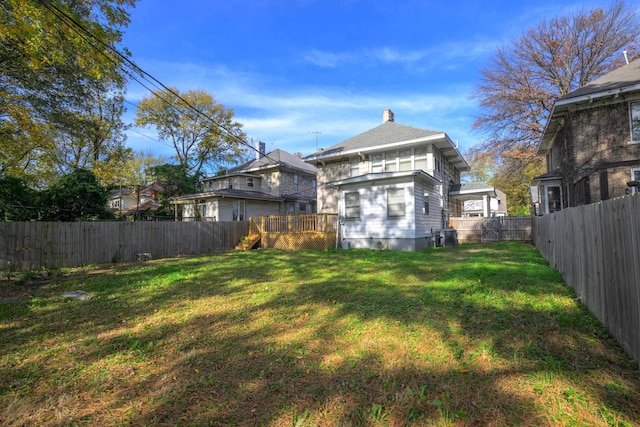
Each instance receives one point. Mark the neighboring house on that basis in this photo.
(129, 200)
(273, 184)
(480, 200)
(591, 143)
(390, 185)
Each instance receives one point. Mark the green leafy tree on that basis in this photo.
(176, 179)
(482, 167)
(18, 202)
(53, 72)
(75, 196)
(92, 138)
(138, 168)
(201, 141)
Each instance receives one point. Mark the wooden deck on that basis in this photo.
(294, 232)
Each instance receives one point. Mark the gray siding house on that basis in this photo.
(275, 183)
(591, 143)
(390, 185)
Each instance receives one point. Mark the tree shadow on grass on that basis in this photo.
(349, 338)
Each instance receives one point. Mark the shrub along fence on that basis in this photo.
(36, 245)
(596, 248)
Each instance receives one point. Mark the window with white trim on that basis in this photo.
(395, 203)
(249, 182)
(238, 210)
(635, 176)
(634, 113)
(404, 159)
(352, 205)
(376, 162)
(554, 198)
(354, 167)
(296, 183)
(202, 208)
(426, 204)
(420, 158)
(391, 161)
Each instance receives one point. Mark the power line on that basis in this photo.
(75, 25)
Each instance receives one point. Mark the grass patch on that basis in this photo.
(469, 335)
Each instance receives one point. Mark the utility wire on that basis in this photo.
(79, 29)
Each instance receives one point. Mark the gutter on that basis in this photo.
(597, 95)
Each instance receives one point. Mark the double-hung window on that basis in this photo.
(352, 205)
(395, 203)
(634, 112)
(426, 204)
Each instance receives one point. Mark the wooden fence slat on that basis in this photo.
(596, 248)
(36, 245)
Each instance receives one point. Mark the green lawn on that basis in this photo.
(470, 335)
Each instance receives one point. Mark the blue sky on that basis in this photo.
(289, 68)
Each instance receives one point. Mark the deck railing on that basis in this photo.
(307, 231)
(311, 223)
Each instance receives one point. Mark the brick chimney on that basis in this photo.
(260, 149)
(387, 116)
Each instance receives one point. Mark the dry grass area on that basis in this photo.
(475, 335)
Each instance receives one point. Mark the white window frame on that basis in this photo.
(354, 167)
(250, 182)
(420, 157)
(425, 209)
(394, 205)
(546, 197)
(405, 157)
(239, 210)
(635, 171)
(634, 122)
(376, 162)
(296, 183)
(352, 205)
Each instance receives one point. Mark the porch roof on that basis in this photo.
(471, 191)
(227, 192)
(555, 175)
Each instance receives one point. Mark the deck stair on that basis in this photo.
(248, 243)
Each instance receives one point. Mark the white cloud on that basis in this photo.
(283, 115)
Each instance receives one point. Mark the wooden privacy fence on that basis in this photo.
(596, 248)
(493, 229)
(313, 231)
(35, 245)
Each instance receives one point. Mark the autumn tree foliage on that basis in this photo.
(202, 131)
(57, 77)
(522, 80)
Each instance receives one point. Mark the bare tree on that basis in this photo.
(521, 82)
